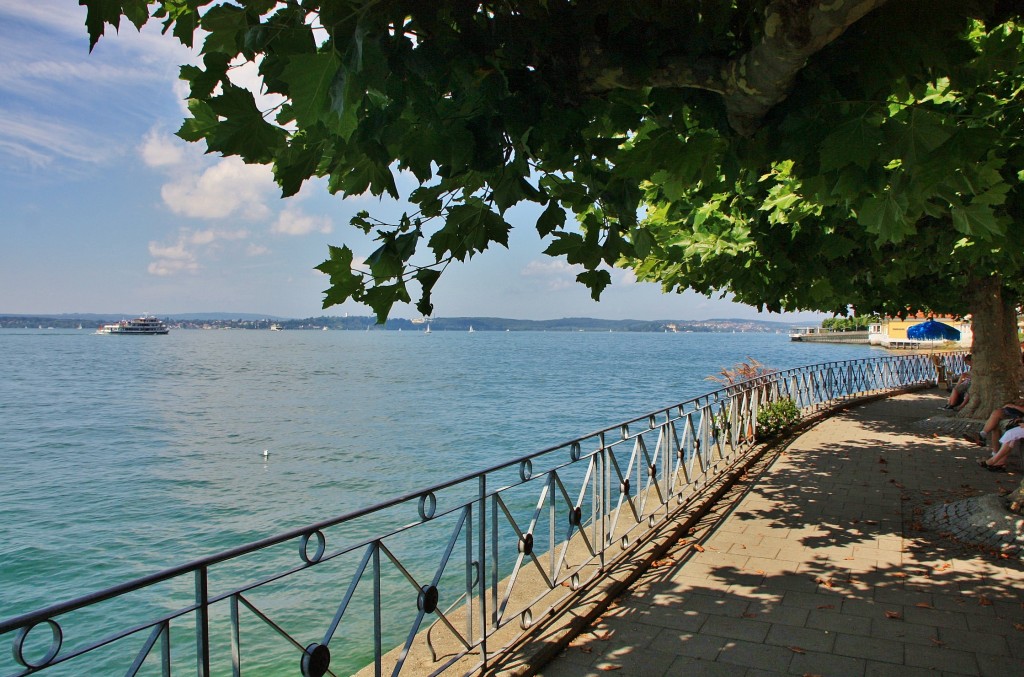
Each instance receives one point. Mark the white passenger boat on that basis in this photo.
(138, 325)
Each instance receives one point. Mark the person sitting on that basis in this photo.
(1009, 410)
(959, 393)
(1013, 435)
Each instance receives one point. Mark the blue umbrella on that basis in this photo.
(933, 331)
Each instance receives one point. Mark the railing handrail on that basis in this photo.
(702, 403)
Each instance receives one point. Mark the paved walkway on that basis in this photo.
(820, 564)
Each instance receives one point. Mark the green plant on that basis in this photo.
(777, 416)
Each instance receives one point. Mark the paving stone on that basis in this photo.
(809, 639)
(756, 655)
(1003, 666)
(815, 663)
(939, 658)
(978, 642)
(879, 669)
(873, 648)
(689, 644)
(685, 665)
(736, 628)
(833, 621)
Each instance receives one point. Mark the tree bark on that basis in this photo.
(996, 373)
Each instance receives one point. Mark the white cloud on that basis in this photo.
(39, 141)
(162, 150)
(184, 253)
(552, 274)
(293, 221)
(229, 188)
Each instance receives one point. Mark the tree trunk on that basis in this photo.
(996, 372)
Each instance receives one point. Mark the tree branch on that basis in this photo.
(751, 84)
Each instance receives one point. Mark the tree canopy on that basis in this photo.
(798, 154)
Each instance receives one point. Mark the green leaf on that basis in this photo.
(551, 219)
(344, 283)
(595, 281)
(202, 122)
(310, 77)
(854, 142)
(427, 277)
(243, 131)
(885, 217)
(575, 249)
(225, 26)
(294, 164)
(977, 220)
(382, 297)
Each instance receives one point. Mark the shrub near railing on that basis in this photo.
(483, 555)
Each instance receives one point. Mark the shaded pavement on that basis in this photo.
(820, 563)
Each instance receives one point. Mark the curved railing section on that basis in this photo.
(480, 557)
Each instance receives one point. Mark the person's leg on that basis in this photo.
(998, 459)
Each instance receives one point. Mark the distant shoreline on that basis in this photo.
(363, 323)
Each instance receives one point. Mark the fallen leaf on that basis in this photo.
(797, 649)
(937, 642)
(943, 566)
(827, 606)
(827, 582)
(984, 601)
(698, 547)
(759, 572)
(924, 605)
(899, 574)
(896, 615)
(1018, 626)
(662, 563)
(609, 668)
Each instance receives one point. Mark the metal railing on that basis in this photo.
(482, 555)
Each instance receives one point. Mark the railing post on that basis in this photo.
(481, 567)
(202, 624)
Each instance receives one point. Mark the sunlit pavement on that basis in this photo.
(821, 563)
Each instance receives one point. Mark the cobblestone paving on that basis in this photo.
(845, 554)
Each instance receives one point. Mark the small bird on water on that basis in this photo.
(266, 452)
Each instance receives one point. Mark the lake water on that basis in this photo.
(122, 456)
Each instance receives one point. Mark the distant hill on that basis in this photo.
(363, 323)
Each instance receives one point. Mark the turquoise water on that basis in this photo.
(122, 456)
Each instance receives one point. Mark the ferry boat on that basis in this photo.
(138, 325)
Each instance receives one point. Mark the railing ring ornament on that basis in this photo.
(575, 452)
(427, 506)
(316, 660)
(56, 641)
(525, 469)
(427, 599)
(526, 619)
(321, 546)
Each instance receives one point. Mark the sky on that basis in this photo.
(104, 210)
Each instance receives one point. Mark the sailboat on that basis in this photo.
(427, 330)
(471, 330)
